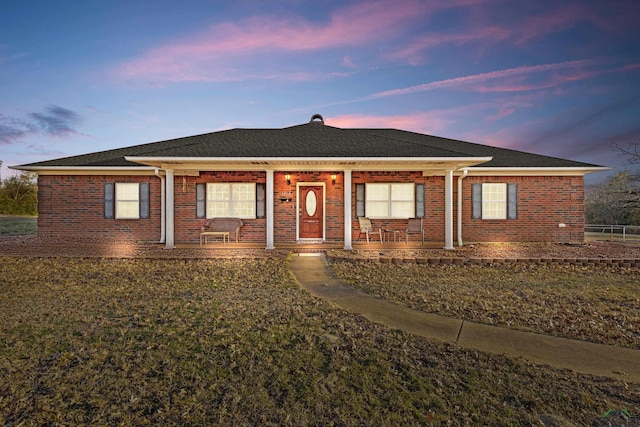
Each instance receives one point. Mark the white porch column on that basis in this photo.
(269, 210)
(347, 210)
(163, 204)
(169, 214)
(448, 210)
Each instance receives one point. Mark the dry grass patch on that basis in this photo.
(237, 342)
(592, 304)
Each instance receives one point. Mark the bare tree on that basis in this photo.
(631, 150)
(615, 201)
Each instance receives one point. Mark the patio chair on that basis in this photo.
(366, 228)
(414, 226)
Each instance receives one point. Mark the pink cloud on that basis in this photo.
(217, 54)
(415, 49)
(505, 112)
(424, 122)
(481, 82)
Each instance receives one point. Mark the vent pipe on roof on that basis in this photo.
(317, 118)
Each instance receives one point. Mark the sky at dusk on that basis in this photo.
(560, 78)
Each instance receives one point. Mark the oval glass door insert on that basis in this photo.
(311, 203)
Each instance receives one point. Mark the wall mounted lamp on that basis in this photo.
(333, 179)
(287, 178)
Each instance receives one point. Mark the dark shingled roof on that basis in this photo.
(312, 140)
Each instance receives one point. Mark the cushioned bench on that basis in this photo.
(230, 225)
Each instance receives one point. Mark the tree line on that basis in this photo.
(616, 201)
(19, 195)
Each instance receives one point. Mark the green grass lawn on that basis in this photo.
(18, 225)
(237, 342)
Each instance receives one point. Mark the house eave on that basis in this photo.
(535, 171)
(87, 170)
(316, 163)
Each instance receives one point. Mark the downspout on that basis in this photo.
(465, 172)
(162, 207)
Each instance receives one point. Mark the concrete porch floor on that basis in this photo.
(309, 247)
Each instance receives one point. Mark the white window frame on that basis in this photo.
(124, 199)
(211, 201)
(392, 204)
(494, 201)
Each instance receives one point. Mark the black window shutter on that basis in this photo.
(260, 200)
(476, 200)
(144, 200)
(201, 200)
(420, 207)
(512, 201)
(360, 200)
(109, 200)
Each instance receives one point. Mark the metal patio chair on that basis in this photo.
(366, 228)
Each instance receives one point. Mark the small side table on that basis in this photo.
(389, 233)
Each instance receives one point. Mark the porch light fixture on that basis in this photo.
(333, 179)
(287, 178)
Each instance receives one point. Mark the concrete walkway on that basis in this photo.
(312, 272)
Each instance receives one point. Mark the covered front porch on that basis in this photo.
(286, 179)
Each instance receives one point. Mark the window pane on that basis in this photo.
(218, 191)
(126, 210)
(377, 191)
(127, 191)
(127, 203)
(217, 209)
(243, 191)
(231, 200)
(244, 209)
(402, 192)
(402, 209)
(378, 209)
(494, 201)
(390, 200)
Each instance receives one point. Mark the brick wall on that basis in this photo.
(544, 202)
(74, 206)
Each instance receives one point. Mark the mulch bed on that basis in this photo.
(593, 252)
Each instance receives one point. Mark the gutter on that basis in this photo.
(465, 172)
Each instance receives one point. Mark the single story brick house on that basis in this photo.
(311, 183)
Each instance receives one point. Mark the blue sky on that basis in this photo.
(560, 78)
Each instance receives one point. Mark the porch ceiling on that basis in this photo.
(431, 166)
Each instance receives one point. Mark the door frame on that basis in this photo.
(300, 206)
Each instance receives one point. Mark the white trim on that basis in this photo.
(163, 204)
(459, 196)
(169, 215)
(437, 165)
(262, 160)
(85, 170)
(347, 206)
(448, 210)
(539, 171)
(269, 210)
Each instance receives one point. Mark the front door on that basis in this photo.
(311, 212)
